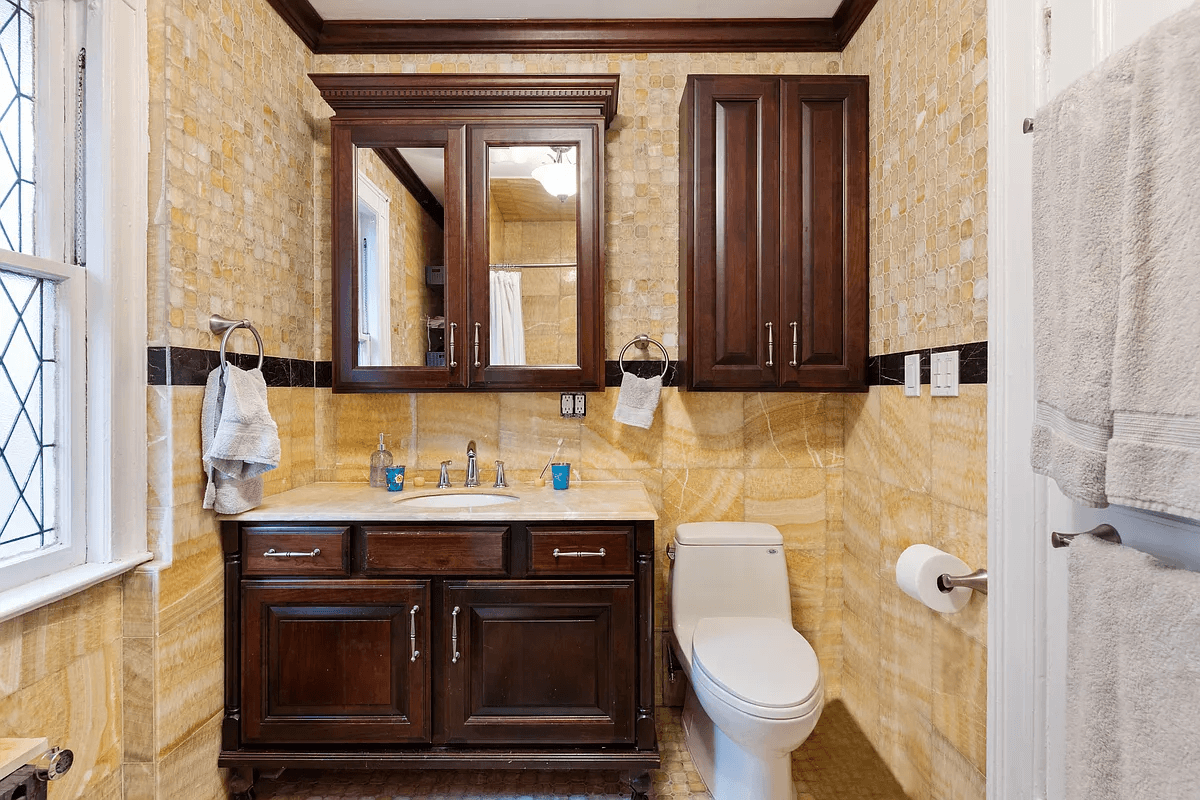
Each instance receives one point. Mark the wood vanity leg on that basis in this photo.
(639, 786)
(241, 784)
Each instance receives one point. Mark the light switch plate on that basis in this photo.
(943, 377)
(912, 375)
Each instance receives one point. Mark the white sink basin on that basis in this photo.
(457, 500)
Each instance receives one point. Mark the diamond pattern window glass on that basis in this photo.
(28, 413)
(16, 125)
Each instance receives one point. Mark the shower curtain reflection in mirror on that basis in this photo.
(508, 323)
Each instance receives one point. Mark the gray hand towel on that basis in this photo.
(637, 400)
(239, 439)
(1154, 454)
(1133, 676)
(1079, 151)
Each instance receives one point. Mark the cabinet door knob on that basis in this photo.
(795, 344)
(453, 328)
(770, 344)
(412, 632)
(477, 345)
(454, 636)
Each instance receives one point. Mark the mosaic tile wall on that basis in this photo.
(928, 161)
(915, 468)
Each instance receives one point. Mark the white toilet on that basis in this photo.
(754, 684)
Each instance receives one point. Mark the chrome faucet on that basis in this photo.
(472, 466)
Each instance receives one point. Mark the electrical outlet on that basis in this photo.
(580, 404)
(912, 375)
(567, 404)
(943, 378)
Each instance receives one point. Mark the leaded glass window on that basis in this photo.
(16, 125)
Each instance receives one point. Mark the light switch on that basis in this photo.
(944, 374)
(912, 375)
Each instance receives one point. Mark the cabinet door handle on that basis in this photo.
(770, 345)
(412, 632)
(795, 344)
(453, 328)
(273, 553)
(578, 554)
(454, 635)
(477, 344)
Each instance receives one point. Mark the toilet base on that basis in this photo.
(729, 772)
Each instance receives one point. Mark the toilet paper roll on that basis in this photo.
(917, 572)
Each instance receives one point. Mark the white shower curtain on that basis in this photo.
(508, 321)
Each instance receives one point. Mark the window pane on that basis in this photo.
(28, 413)
(16, 125)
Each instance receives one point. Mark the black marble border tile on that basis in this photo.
(643, 369)
(190, 366)
(888, 369)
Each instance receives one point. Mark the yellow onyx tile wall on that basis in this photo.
(915, 468)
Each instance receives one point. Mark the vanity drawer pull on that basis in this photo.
(578, 554)
(272, 553)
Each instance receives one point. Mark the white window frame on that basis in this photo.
(103, 477)
(375, 326)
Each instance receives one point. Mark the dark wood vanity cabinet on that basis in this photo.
(508, 645)
(773, 232)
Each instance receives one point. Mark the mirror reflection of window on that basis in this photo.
(533, 212)
(374, 309)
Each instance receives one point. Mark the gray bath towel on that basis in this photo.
(637, 400)
(1079, 146)
(1133, 676)
(1154, 453)
(239, 439)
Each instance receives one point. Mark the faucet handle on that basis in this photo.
(500, 482)
(444, 476)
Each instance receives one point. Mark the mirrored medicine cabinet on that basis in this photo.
(467, 230)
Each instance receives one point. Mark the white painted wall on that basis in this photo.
(1038, 47)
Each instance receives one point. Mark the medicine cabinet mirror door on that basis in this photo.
(399, 283)
(535, 259)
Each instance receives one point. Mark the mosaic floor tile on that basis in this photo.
(835, 762)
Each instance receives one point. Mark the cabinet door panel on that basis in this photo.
(823, 262)
(734, 222)
(332, 661)
(549, 661)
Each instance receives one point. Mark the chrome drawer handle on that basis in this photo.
(412, 632)
(795, 344)
(273, 553)
(578, 554)
(454, 635)
(770, 345)
(477, 344)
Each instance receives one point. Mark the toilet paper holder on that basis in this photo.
(977, 580)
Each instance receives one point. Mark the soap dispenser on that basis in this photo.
(381, 459)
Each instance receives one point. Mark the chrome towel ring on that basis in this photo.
(641, 342)
(217, 324)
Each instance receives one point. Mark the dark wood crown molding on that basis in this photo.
(575, 36)
(354, 94)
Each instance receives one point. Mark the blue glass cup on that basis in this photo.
(395, 478)
(560, 475)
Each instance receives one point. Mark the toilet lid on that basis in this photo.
(761, 661)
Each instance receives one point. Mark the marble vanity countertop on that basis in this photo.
(343, 502)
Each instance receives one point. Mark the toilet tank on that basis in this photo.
(727, 569)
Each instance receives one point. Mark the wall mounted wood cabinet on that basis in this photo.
(773, 232)
(387, 645)
(467, 229)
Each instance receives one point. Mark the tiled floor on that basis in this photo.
(836, 763)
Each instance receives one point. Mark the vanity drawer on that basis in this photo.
(473, 550)
(579, 549)
(294, 551)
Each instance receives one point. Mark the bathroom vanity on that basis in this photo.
(367, 630)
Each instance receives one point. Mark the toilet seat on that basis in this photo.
(759, 665)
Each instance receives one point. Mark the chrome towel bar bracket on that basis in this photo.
(1106, 532)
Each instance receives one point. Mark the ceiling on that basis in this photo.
(580, 9)
(584, 26)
